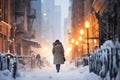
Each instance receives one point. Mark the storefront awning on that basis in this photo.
(32, 42)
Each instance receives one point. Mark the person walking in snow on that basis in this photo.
(38, 60)
(38, 57)
(58, 54)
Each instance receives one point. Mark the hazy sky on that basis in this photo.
(64, 5)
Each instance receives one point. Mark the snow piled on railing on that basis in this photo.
(105, 62)
(8, 66)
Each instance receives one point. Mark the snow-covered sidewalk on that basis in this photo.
(68, 72)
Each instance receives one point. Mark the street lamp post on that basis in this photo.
(81, 38)
(76, 43)
(76, 57)
(87, 26)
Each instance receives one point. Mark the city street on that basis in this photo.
(68, 72)
(59, 39)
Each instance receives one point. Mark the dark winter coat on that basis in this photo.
(58, 53)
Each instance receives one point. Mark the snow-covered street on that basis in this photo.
(68, 72)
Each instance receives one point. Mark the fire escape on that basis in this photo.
(25, 16)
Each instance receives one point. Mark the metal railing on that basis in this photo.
(105, 61)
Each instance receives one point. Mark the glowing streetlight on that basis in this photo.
(95, 41)
(45, 14)
(72, 40)
(81, 31)
(76, 42)
(87, 26)
(80, 38)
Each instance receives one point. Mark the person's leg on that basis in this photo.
(57, 67)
